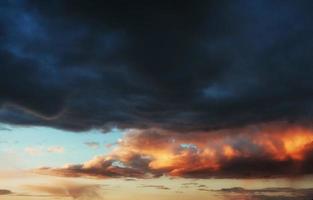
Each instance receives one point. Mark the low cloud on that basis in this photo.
(240, 153)
(238, 193)
(160, 187)
(74, 190)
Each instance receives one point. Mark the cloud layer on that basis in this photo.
(174, 65)
(266, 193)
(69, 189)
(253, 152)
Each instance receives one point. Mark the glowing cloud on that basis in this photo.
(227, 153)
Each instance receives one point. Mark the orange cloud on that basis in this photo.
(38, 151)
(284, 150)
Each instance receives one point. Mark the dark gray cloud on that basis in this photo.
(170, 64)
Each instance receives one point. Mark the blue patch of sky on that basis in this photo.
(17, 138)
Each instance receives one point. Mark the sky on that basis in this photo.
(156, 100)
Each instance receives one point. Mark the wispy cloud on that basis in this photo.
(33, 151)
(4, 128)
(160, 187)
(55, 149)
(70, 189)
(93, 145)
(238, 193)
(40, 150)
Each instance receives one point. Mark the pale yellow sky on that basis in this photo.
(28, 186)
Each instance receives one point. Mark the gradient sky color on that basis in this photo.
(158, 100)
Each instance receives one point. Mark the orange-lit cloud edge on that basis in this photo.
(258, 151)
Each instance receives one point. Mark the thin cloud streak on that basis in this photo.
(93, 145)
(69, 189)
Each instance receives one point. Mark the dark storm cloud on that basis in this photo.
(168, 64)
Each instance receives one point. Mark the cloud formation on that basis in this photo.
(160, 187)
(174, 65)
(69, 189)
(189, 81)
(266, 193)
(236, 153)
(40, 150)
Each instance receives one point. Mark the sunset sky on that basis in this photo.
(158, 100)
